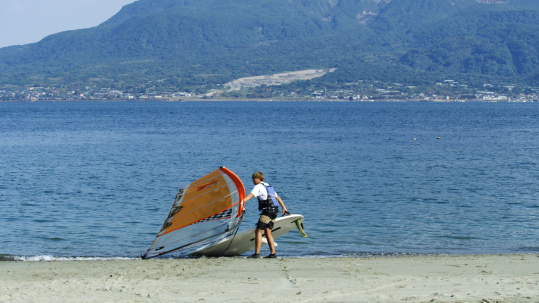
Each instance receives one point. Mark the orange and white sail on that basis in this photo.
(204, 212)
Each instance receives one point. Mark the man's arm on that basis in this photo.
(249, 197)
(282, 204)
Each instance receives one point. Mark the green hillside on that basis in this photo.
(202, 43)
(405, 16)
(501, 43)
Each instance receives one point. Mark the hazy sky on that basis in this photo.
(27, 21)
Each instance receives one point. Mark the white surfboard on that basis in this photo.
(245, 241)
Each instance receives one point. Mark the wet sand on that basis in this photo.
(431, 278)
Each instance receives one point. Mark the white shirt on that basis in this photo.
(260, 191)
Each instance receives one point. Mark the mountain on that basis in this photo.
(202, 43)
(211, 40)
(405, 16)
(483, 40)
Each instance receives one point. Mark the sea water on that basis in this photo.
(98, 179)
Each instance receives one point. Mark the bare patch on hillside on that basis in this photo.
(277, 79)
(365, 17)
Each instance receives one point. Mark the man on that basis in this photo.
(267, 204)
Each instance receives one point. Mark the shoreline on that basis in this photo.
(55, 258)
(421, 278)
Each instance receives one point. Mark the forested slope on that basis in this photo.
(206, 42)
(501, 43)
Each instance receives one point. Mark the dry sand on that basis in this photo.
(433, 278)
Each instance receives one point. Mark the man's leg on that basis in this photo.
(258, 240)
(269, 237)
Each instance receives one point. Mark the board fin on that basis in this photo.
(299, 225)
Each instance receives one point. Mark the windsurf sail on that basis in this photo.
(204, 212)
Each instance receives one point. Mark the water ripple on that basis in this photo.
(98, 179)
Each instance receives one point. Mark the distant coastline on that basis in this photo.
(269, 100)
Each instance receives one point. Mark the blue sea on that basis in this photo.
(98, 179)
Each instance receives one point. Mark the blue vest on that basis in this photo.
(271, 200)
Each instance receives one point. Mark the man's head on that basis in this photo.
(258, 177)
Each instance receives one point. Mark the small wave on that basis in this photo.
(57, 258)
(529, 249)
(53, 239)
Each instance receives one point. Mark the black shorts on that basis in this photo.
(267, 218)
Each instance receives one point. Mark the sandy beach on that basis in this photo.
(431, 278)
